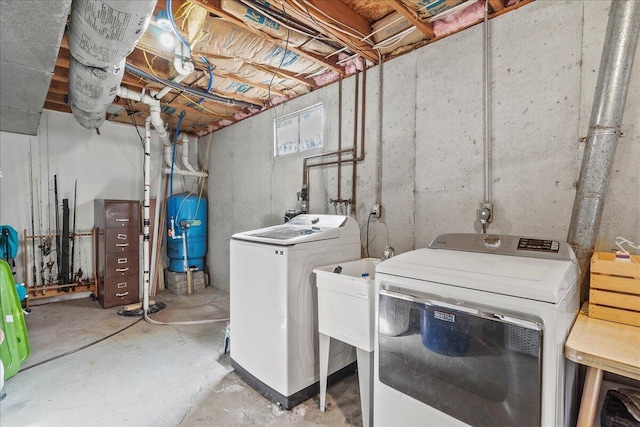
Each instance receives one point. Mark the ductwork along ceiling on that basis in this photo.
(243, 56)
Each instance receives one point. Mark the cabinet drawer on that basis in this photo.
(121, 264)
(124, 240)
(122, 215)
(119, 291)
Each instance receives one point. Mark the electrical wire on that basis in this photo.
(202, 179)
(51, 359)
(368, 221)
(289, 25)
(284, 54)
(394, 40)
(135, 125)
(200, 105)
(328, 24)
(175, 28)
(175, 143)
(149, 64)
(196, 92)
(210, 77)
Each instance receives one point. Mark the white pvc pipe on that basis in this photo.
(186, 173)
(145, 240)
(186, 163)
(167, 89)
(184, 250)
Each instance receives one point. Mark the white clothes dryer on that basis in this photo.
(274, 319)
(471, 330)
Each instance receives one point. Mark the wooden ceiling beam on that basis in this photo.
(286, 74)
(170, 119)
(61, 80)
(238, 79)
(56, 107)
(316, 14)
(342, 14)
(496, 5)
(510, 8)
(135, 58)
(57, 98)
(215, 7)
(411, 16)
(211, 113)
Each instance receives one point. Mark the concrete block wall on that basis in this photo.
(544, 63)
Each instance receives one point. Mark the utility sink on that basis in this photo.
(346, 302)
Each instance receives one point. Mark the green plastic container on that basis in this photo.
(15, 348)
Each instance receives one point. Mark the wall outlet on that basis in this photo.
(375, 210)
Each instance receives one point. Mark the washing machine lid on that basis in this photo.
(302, 229)
(511, 265)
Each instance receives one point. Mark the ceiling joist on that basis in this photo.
(425, 27)
(335, 20)
(340, 28)
(215, 7)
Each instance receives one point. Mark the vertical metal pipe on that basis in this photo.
(380, 128)
(604, 128)
(355, 137)
(487, 135)
(340, 138)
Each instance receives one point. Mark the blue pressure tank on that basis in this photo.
(186, 218)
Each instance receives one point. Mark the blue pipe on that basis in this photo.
(175, 28)
(210, 77)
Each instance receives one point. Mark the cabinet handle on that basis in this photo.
(119, 245)
(122, 260)
(122, 269)
(122, 285)
(122, 237)
(122, 294)
(122, 219)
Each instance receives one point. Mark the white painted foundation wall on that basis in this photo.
(544, 64)
(107, 166)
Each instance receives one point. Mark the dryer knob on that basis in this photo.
(492, 241)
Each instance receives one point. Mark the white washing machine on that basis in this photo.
(470, 331)
(274, 319)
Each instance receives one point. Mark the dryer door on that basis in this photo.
(476, 365)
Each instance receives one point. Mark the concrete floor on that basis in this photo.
(147, 375)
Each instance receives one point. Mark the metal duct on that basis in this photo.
(92, 90)
(102, 33)
(604, 128)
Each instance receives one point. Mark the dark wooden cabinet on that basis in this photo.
(118, 226)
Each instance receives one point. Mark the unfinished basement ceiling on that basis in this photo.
(252, 55)
(27, 59)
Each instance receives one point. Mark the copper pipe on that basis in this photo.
(358, 158)
(355, 137)
(306, 166)
(364, 116)
(354, 150)
(332, 162)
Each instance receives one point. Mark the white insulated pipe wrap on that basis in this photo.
(102, 33)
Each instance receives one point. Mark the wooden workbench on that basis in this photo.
(601, 346)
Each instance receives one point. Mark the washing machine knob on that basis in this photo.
(492, 241)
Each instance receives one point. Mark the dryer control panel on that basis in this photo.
(504, 245)
(538, 245)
